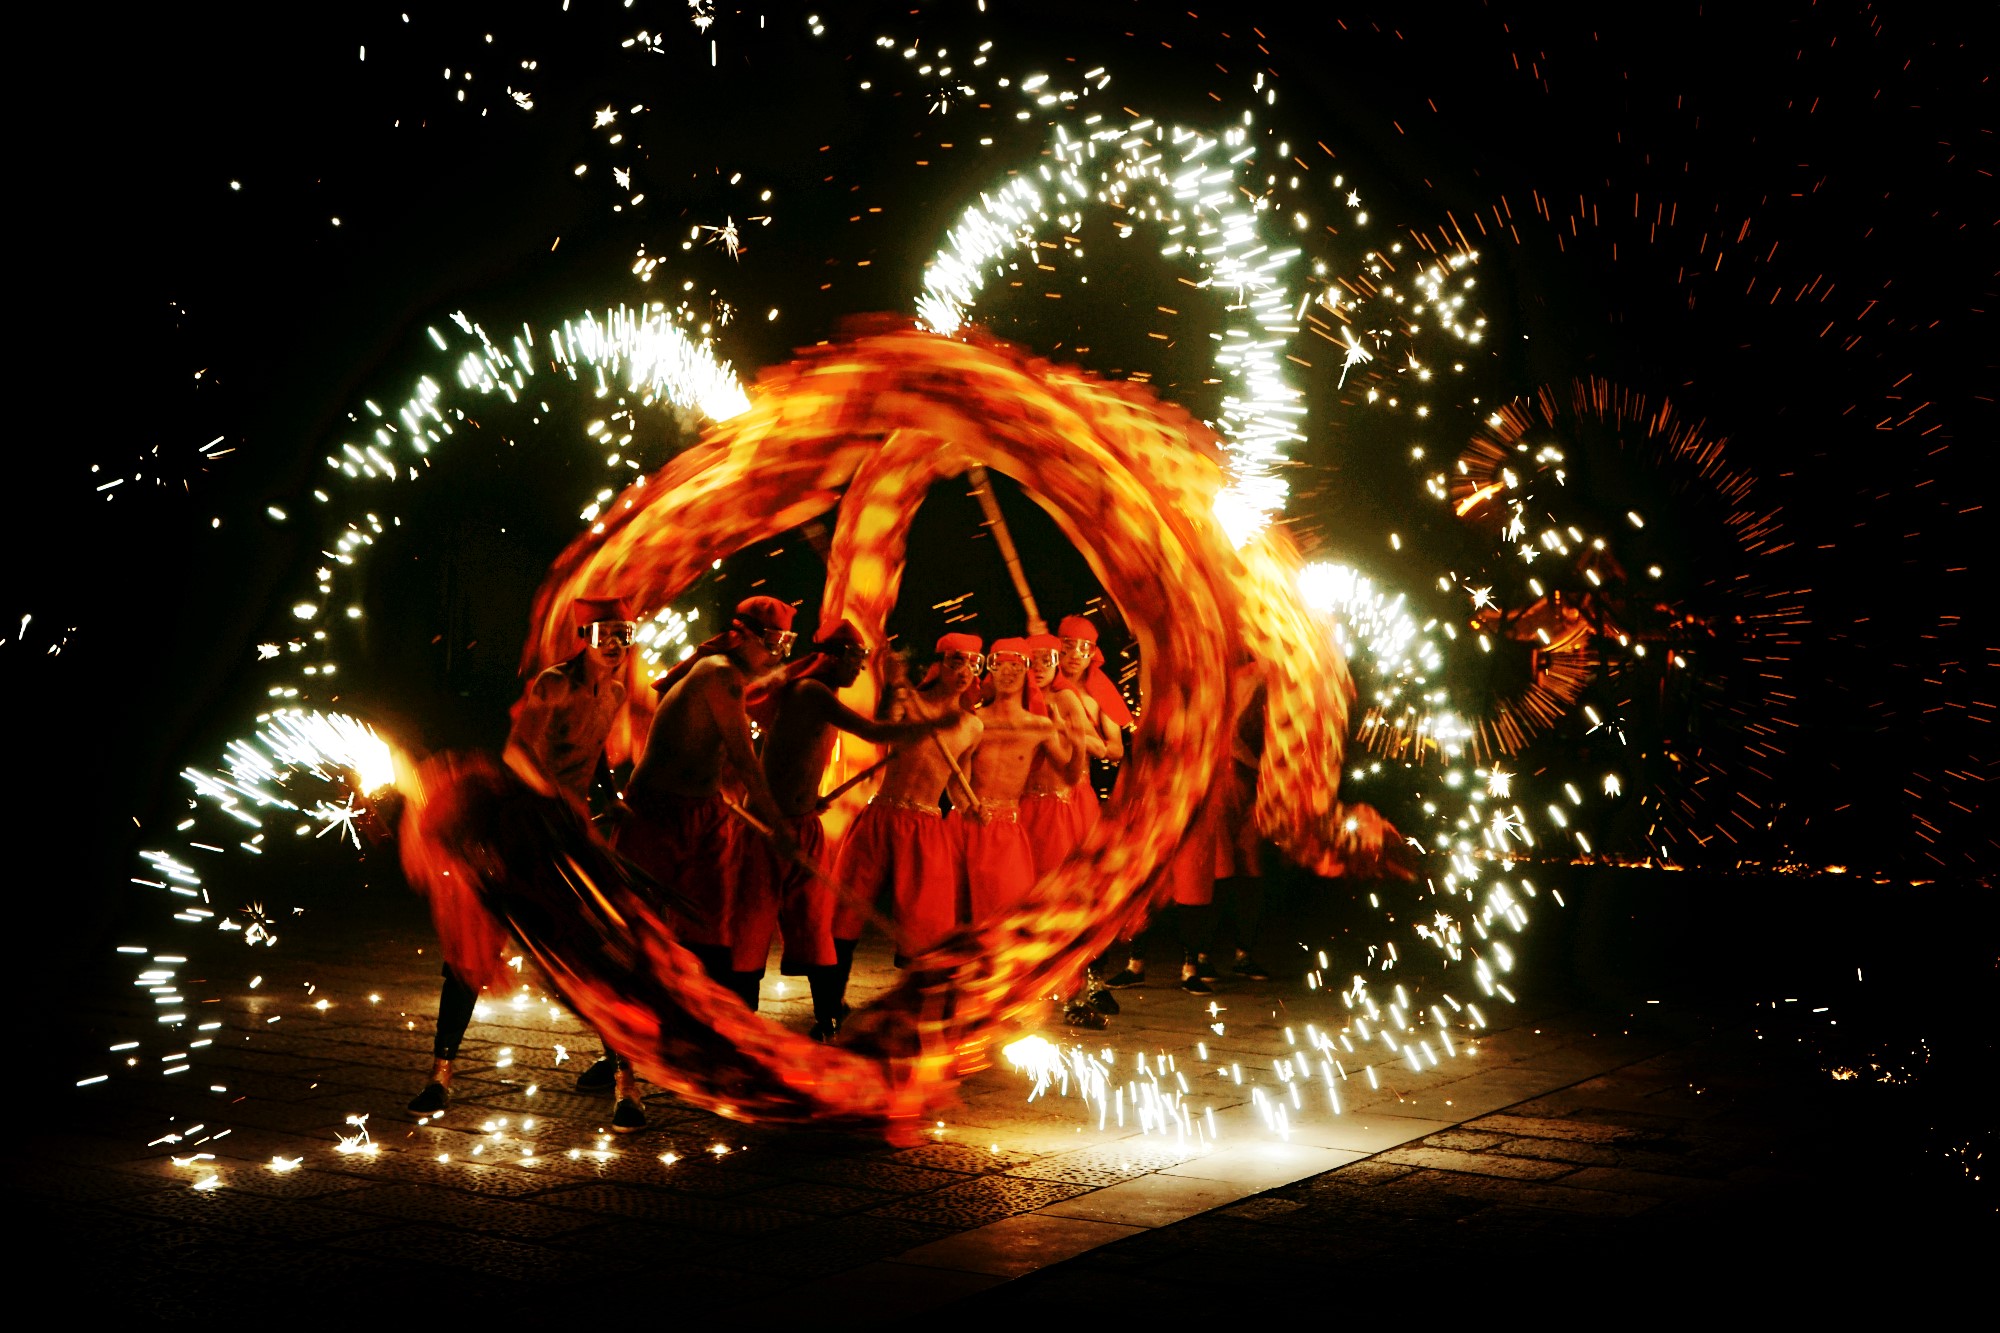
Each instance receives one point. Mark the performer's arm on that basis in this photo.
(1111, 736)
(725, 701)
(881, 732)
(894, 703)
(531, 728)
(1081, 721)
(1097, 733)
(1068, 714)
(1057, 742)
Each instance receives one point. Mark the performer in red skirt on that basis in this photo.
(554, 744)
(677, 826)
(899, 846)
(999, 859)
(799, 714)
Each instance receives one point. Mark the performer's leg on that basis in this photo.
(1194, 925)
(1133, 972)
(843, 967)
(714, 959)
(628, 1107)
(829, 990)
(597, 1077)
(1242, 897)
(455, 1005)
(747, 986)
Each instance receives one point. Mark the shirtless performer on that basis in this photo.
(677, 826)
(999, 862)
(1081, 676)
(558, 733)
(1053, 808)
(800, 713)
(1083, 687)
(1051, 817)
(900, 843)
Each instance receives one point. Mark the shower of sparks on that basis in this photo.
(725, 236)
(1187, 186)
(643, 360)
(330, 749)
(1389, 316)
(1155, 1100)
(358, 1142)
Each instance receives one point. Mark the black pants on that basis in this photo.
(455, 1001)
(828, 984)
(455, 1004)
(1176, 925)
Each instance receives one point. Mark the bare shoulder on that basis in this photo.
(816, 695)
(717, 673)
(550, 682)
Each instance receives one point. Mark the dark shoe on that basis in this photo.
(628, 1116)
(1104, 1002)
(1204, 967)
(1083, 1016)
(1125, 977)
(1249, 969)
(825, 1030)
(431, 1100)
(599, 1077)
(1193, 981)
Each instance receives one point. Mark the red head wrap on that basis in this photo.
(754, 615)
(587, 611)
(762, 613)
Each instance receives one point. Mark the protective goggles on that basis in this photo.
(603, 632)
(995, 661)
(779, 641)
(974, 660)
(1084, 646)
(1044, 657)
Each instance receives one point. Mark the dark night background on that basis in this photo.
(1821, 299)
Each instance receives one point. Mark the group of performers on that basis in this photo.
(986, 787)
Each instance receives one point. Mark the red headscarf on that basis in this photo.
(754, 616)
(761, 702)
(587, 611)
(1095, 682)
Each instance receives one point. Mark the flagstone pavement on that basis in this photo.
(1638, 1159)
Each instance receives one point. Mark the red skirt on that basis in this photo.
(1054, 827)
(689, 845)
(777, 895)
(909, 855)
(999, 863)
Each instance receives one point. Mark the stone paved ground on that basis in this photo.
(1577, 1151)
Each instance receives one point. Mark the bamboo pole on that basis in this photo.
(988, 501)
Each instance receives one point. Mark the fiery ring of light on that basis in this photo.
(1133, 482)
